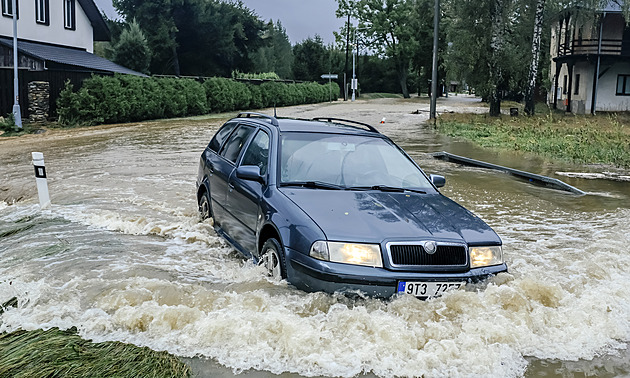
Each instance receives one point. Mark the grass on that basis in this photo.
(600, 139)
(57, 353)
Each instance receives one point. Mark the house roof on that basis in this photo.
(68, 56)
(101, 31)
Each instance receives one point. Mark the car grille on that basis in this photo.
(415, 255)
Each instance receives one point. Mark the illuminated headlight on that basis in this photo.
(348, 253)
(485, 256)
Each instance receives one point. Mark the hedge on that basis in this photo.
(126, 98)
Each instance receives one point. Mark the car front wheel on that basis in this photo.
(272, 258)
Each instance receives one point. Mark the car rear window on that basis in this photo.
(220, 136)
(235, 144)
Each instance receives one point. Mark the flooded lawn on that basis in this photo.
(121, 255)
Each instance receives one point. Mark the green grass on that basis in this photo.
(603, 139)
(56, 353)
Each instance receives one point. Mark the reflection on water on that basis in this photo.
(121, 255)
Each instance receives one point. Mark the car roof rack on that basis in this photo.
(351, 123)
(272, 120)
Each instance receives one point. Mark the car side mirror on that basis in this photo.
(250, 172)
(437, 180)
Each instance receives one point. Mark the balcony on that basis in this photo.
(582, 47)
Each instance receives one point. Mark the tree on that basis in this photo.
(196, 37)
(387, 27)
(311, 59)
(277, 54)
(132, 50)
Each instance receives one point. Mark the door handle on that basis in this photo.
(231, 187)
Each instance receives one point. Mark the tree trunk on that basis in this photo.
(533, 67)
(402, 77)
(175, 60)
(496, 47)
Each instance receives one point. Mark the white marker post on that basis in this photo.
(40, 178)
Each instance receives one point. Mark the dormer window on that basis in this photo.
(41, 12)
(7, 8)
(69, 19)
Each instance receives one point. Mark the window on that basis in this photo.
(564, 86)
(69, 14)
(221, 136)
(7, 8)
(577, 84)
(258, 152)
(623, 85)
(235, 144)
(41, 12)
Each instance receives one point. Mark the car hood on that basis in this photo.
(374, 217)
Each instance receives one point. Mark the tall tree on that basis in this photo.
(277, 53)
(311, 59)
(196, 37)
(131, 50)
(385, 26)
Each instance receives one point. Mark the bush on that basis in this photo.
(126, 98)
(7, 123)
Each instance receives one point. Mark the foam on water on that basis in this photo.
(565, 298)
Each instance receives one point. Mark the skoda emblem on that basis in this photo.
(430, 247)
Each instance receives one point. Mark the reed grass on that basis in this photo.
(57, 353)
(601, 139)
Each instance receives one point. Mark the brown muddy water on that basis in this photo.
(122, 256)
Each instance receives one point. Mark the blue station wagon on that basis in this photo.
(333, 205)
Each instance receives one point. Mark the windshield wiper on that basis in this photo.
(385, 188)
(314, 185)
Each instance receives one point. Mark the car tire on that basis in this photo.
(273, 260)
(205, 211)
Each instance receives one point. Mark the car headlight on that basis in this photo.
(348, 253)
(485, 256)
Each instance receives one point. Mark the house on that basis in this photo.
(590, 62)
(55, 44)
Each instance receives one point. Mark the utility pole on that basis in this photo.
(434, 74)
(17, 116)
(354, 74)
(345, 69)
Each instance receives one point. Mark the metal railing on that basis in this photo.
(590, 46)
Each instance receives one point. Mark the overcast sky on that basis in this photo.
(301, 18)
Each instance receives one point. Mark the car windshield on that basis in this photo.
(347, 161)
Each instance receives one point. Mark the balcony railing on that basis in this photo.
(589, 46)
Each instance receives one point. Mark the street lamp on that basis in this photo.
(17, 116)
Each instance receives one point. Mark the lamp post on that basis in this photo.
(17, 116)
(354, 74)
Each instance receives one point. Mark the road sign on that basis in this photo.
(330, 76)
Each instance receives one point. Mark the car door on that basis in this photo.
(244, 196)
(223, 166)
(212, 159)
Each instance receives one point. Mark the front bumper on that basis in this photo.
(310, 274)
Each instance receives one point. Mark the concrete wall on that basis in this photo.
(607, 100)
(54, 33)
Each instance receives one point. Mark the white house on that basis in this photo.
(55, 44)
(590, 62)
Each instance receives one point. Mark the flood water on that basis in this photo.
(122, 256)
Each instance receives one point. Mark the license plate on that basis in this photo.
(427, 289)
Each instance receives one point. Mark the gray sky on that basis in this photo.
(301, 18)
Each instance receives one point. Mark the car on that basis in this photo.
(333, 205)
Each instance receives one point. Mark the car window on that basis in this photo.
(258, 152)
(347, 160)
(235, 144)
(221, 136)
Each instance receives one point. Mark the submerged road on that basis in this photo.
(122, 256)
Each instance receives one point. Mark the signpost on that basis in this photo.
(330, 77)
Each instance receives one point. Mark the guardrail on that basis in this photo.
(529, 177)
